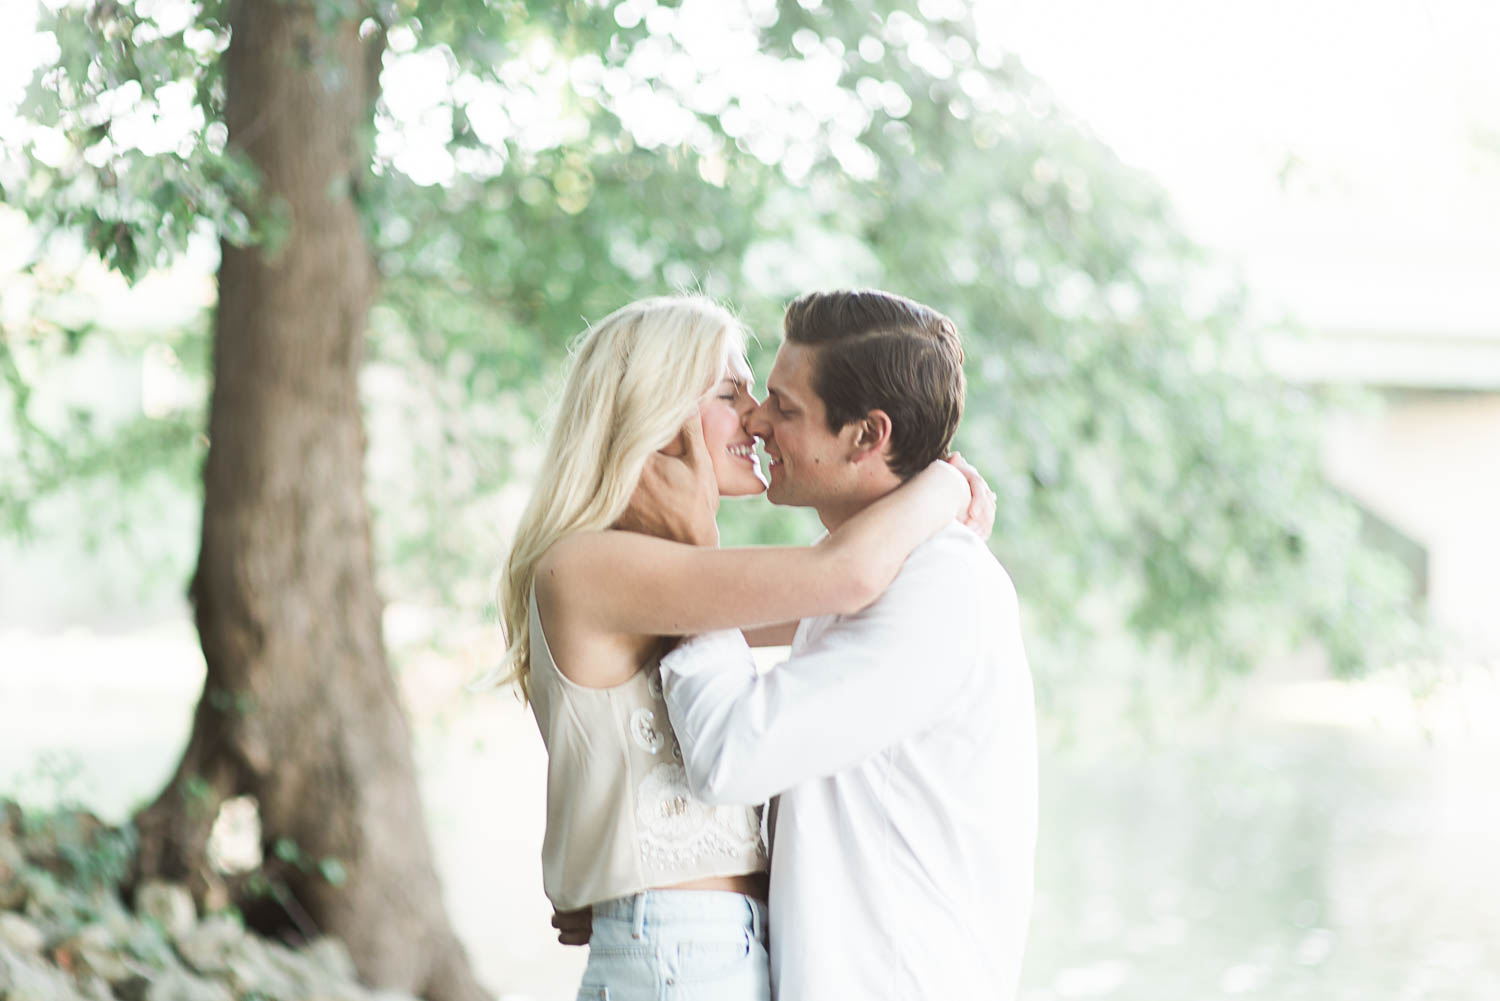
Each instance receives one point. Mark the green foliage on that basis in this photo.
(130, 148)
(230, 703)
(63, 434)
(1148, 470)
(333, 871)
(80, 850)
(101, 861)
(286, 849)
(329, 868)
(148, 942)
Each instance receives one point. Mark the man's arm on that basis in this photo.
(780, 634)
(871, 679)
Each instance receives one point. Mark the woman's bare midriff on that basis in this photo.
(751, 885)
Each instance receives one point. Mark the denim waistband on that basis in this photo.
(670, 907)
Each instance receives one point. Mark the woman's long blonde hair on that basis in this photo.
(637, 377)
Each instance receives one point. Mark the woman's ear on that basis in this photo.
(872, 434)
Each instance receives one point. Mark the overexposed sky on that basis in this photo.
(1370, 96)
(1345, 152)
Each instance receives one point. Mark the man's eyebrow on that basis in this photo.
(782, 396)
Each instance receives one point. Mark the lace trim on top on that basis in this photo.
(674, 827)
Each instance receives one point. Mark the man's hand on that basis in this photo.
(980, 516)
(574, 927)
(678, 494)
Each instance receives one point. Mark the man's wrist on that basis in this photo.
(702, 652)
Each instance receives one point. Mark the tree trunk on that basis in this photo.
(299, 709)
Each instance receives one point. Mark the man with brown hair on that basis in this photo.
(885, 377)
(900, 741)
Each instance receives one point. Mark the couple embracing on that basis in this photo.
(857, 822)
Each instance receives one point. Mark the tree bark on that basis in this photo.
(299, 709)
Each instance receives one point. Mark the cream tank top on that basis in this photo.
(620, 817)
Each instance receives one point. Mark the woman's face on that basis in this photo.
(730, 446)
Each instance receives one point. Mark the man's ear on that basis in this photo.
(872, 435)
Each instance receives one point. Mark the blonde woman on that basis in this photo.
(676, 886)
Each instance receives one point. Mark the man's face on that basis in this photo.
(809, 463)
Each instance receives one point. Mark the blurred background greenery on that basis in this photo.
(1234, 364)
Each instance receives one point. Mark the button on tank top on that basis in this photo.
(620, 816)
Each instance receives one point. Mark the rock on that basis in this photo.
(120, 923)
(94, 949)
(97, 935)
(133, 989)
(148, 945)
(65, 934)
(332, 957)
(20, 935)
(170, 904)
(47, 900)
(94, 988)
(259, 967)
(328, 972)
(180, 985)
(269, 970)
(332, 991)
(28, 979)
(209, 947)
(12, 872)
(10, 818)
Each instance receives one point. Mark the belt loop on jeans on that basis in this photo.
(638, 917)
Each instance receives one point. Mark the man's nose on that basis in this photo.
(755, 422)
(746, 406)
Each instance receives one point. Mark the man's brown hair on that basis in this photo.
(879, 351)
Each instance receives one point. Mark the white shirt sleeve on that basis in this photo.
(867, 681)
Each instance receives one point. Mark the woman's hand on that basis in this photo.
(979, 513)
(677, 497)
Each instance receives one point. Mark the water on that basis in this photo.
(1272, 862)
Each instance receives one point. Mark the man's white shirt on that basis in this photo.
(901, 741)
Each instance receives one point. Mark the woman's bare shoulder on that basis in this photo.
(585, 650)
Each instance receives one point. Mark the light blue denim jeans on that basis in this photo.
(678, 945)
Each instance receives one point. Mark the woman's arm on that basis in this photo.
(624, 582)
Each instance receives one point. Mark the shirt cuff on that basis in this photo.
(705, 651)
